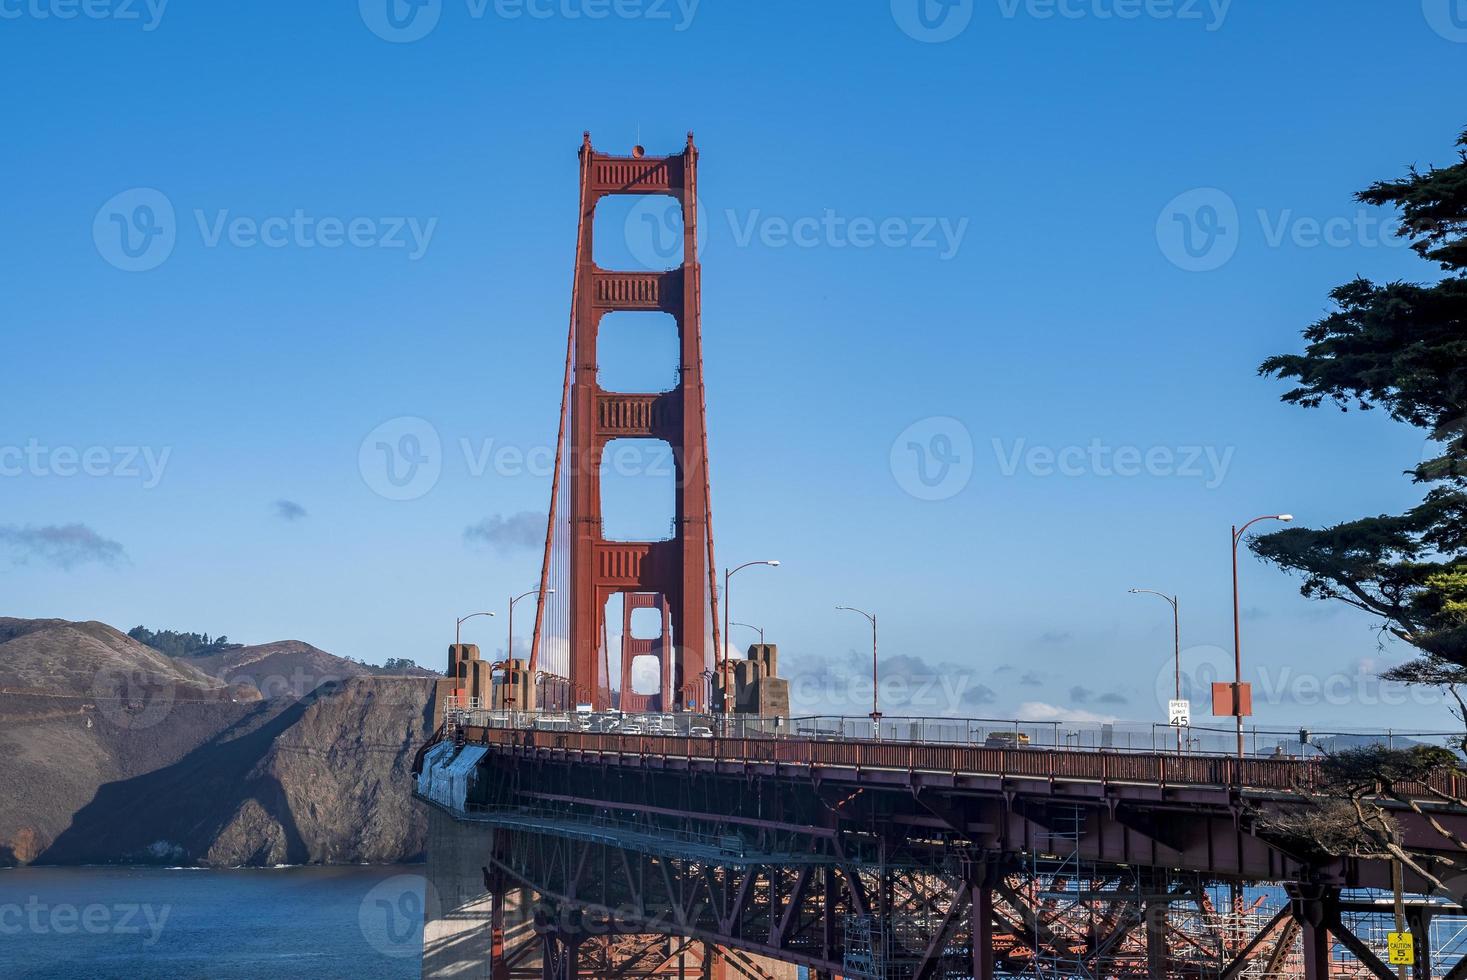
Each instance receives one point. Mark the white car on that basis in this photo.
(631, 728)
(700, 731)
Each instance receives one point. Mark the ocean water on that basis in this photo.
(156, 924)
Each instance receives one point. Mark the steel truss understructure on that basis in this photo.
(712, 867)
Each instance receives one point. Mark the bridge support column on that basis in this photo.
(1311, 907)
(457, 910)
(499, 970)
(982, 918)
(1153, 919)
(1420, 923)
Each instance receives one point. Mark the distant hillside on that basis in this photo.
(282, 753)
(286, 667)
(177, 644)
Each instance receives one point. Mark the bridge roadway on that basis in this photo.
(908, 859)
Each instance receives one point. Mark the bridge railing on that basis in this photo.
(1120, 737)
(1158, 769)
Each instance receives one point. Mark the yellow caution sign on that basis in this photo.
(1403, 948)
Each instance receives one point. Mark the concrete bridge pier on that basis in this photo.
(467, 926)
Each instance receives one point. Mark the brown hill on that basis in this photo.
(111, 751)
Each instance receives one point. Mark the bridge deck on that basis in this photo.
(1108, 768)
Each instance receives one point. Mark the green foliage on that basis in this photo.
(1359, 771)
(399, 663)
(1400, 347)
(176, 644)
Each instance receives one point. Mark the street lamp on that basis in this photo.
(727, 574)
(875, 705)
(458, 627)
(509, 644)
(757, 629)
(1177, 638)
(1238, 533)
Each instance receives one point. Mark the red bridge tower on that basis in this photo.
(569, 652)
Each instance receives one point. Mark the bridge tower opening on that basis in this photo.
(571, 658)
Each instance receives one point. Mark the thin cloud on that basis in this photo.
(289, 510)
(65, 546)
(1040, 711)
(1031, 679)
(1084, 695)
(1057, 636)
(524, 531)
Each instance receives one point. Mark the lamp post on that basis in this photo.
(757, 629)
(727, 574)
(458, 627)
(509, 644)
(1238, 533)
(1177, 641)
(875, 687)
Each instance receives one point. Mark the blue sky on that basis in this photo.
(1050, 249)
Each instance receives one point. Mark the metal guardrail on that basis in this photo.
(1142, 737)
(1047, 763)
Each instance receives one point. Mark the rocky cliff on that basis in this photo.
(110, 752)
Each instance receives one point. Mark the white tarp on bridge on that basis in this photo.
(446, 778)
